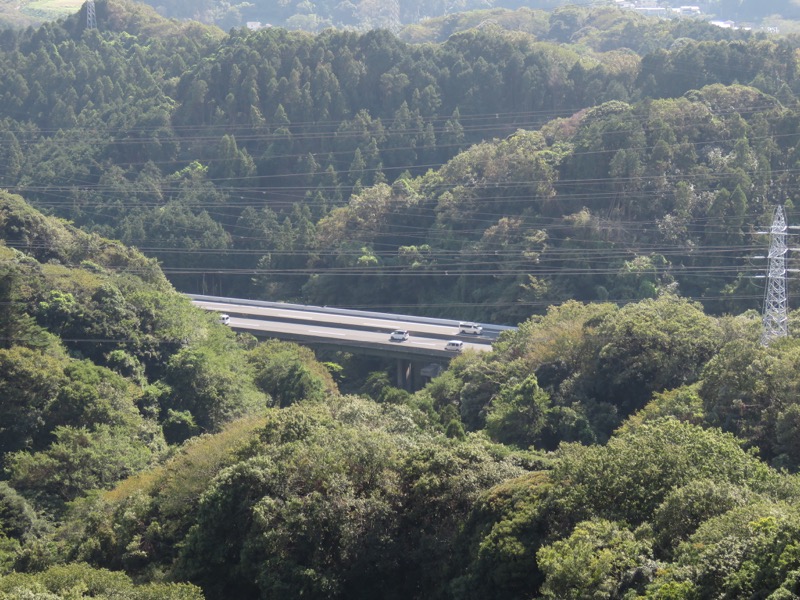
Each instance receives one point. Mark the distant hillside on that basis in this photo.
(588, 160)
(94, 341)
(118, 15)
(359, 14)
(22, 13)
(367, 14)
(600, 179)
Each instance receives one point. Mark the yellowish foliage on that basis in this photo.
(70, 279)
(141, 482)
(180, 481)
(188, 473)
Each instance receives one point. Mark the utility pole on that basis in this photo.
(91, 19)
(775, 320)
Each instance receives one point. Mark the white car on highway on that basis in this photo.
(399, 335)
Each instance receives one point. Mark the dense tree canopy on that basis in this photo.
(180, 456)
(483, 171)
(599, 179)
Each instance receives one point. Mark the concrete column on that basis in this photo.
(404, 374)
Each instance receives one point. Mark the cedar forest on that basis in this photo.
(599, 179)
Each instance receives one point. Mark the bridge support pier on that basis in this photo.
(413, 375)
(405, 370)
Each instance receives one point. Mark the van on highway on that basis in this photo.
(224, 319)
(470, 328)
(454, 345)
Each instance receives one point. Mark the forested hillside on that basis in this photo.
(642, 451)
(365, 14)
(246, 163)
(598, 179)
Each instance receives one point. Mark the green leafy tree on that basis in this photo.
(213, 389)
(231, 166)
(496, 552)
(339, 499)
(591, 562)
(517, 415)
(79, 460)
(82, 581)
(652, 346)
(29, 384)
(686, 508)
(11, 156)
(641, 466)
(748, 550)
(9, 294)
(289, 373)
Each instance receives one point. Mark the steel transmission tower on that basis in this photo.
(775, 322)
(393, 12)
(91, 19)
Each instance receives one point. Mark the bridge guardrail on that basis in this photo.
(487, 327)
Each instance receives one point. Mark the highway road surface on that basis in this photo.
(354, 338)
(348, 328)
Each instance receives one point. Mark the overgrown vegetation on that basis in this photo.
(631, 439)
(484, 172)
(625, 438)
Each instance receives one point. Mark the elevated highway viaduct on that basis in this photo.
(420, 357)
